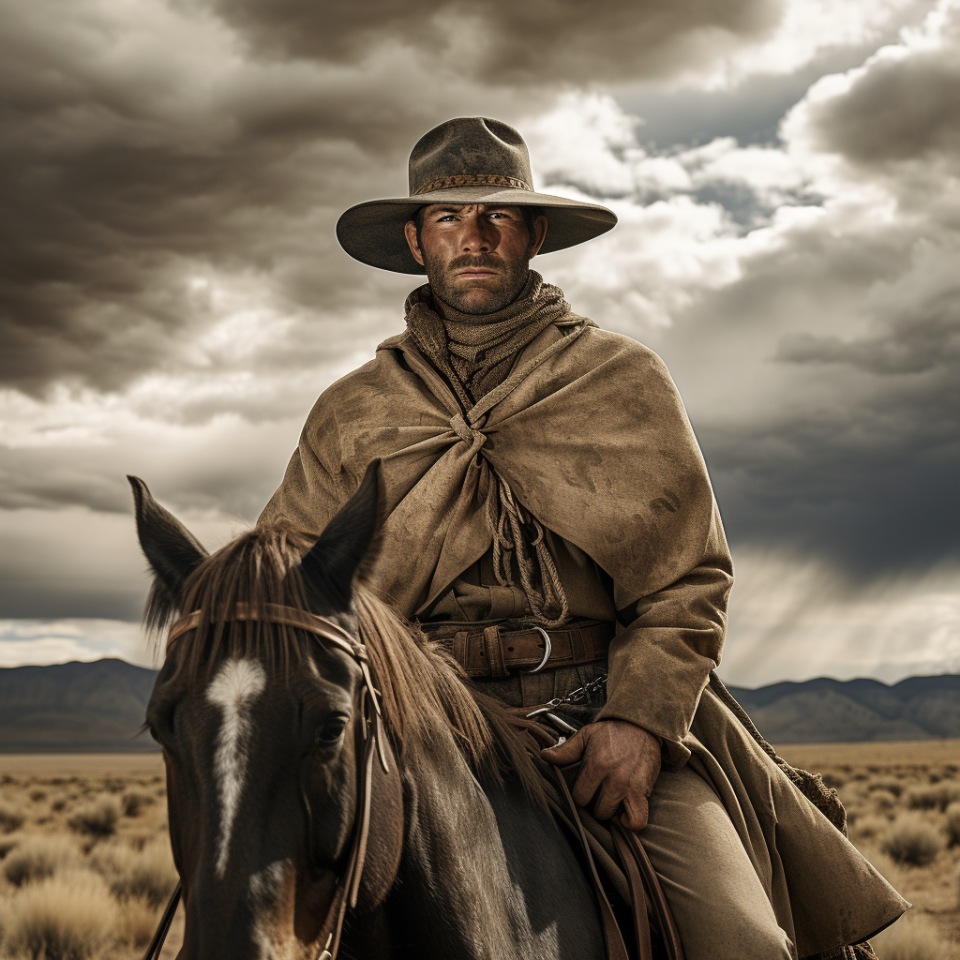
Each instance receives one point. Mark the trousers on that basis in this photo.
(719, 904)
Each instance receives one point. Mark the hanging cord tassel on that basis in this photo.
(507, 521)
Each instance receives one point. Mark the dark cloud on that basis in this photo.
(503, 42)
(853, 450)
(122, 179)
(139, 154)
(926, 340)
(902, 107)
(873, 508)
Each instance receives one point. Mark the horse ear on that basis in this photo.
(170, 548)
(334, 559)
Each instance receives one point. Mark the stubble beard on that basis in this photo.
(488, 296)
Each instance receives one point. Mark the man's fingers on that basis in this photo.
(636, 812)
(586, 786)
(607, 804)
(570, 751)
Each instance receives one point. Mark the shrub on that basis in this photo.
(38, 796)
(953, 824)
(66, 917)
(10, 818)
(890, 784)
(133, 801)
(97, 819)
(137, 921)
(869, 826)
(933, 796)
(883, 799)
(912, 840)
(149, 875)
(9, 842)
(38, 857)
(913, 937)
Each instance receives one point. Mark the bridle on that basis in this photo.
(370, 740)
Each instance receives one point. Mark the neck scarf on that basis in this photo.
(475, 352)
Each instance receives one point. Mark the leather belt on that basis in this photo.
(495, 650)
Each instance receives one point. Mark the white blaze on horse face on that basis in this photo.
(234, 689)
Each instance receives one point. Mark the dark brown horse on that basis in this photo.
(265, 722)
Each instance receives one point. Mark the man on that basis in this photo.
(549, 517)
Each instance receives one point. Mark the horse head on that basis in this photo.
(264, 711)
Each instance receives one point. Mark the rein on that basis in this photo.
(370, 740)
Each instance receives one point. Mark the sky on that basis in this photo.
(787, 178)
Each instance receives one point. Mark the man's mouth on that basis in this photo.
(476, 274)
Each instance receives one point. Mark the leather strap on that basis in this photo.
(645, 889)
(163, 928)
(647, 897)
(494, 650)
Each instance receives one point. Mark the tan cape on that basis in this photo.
(591, 435)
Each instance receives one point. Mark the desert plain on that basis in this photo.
(85, 864)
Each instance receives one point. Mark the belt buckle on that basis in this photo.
(548, 643)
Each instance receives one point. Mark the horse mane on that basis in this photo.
(421, 685)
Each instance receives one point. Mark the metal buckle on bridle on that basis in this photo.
(547, 653)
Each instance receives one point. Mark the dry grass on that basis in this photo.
(37, 858)
(135, 801)
(874, 782)
(93, 887)
(70, 916)
(932, 796)
(952, 824)
(97, 818)
(136, 923)
(148, 874)
(11, 818)
(914, 937)
(918, 825)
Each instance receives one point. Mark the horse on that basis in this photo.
(334, 786)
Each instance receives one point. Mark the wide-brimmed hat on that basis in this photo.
(467, 160)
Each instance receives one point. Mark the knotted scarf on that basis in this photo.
(475, 351)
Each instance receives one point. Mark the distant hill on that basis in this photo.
(75, 708)
(99, 707)
(850, 711)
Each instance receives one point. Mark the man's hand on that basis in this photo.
(621, 763)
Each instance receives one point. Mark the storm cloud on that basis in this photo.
(172, 297)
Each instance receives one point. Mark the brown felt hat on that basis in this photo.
(467, 160)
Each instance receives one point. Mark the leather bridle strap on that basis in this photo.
(370, 735)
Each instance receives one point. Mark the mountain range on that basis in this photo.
(99, 707)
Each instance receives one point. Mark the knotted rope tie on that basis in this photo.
(465, 432)
(506, 522)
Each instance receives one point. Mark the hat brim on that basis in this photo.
(372, 232)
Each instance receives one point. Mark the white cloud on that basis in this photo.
(807, 30)
(25, 642)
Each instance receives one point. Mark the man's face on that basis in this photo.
(477, 257)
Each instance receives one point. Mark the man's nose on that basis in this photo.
(478, 236)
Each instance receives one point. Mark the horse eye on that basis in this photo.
(332, 730)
